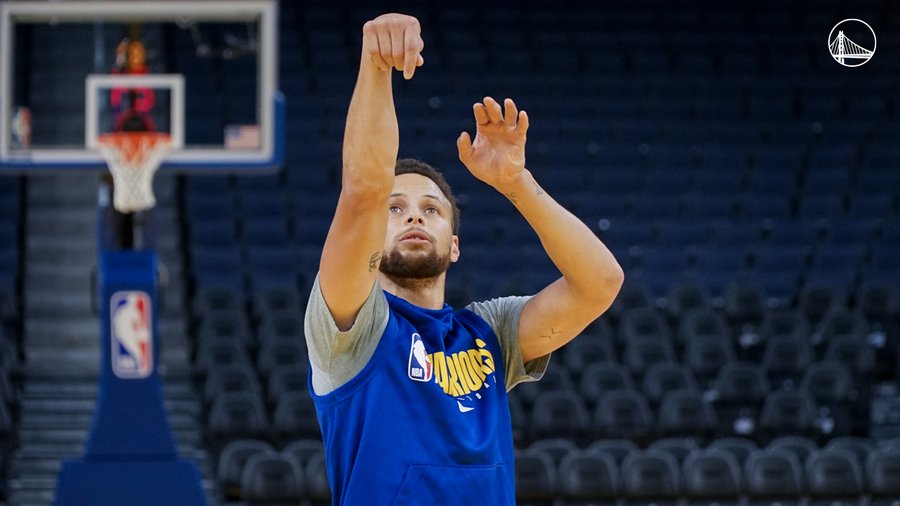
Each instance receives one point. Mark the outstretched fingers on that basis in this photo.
(522, 123)
(510, 113)
(493, 110)
(489, 111)
(481, 115)
(464, 147)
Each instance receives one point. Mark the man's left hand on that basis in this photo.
(497, 157)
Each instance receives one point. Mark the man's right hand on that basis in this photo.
(394, 41)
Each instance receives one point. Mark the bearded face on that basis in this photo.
(419, 244)
(414, 265)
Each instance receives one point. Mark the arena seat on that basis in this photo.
(236, 415)
(786, 358)
(879, 301)
(702, 324)
(213, 354)
(294, 416)
(557, 380)
(557, 447)
(741, 388)
(774, 476)
(279, 354)
(787, 412)
(282, 325)
(232, 461)
(686, 297)
(852, 351)
(883, 476)
(302, 451)
(745, 303)
(588, 479)
(316, 475)
(835, 477)
(229, 379)
(712, 477)
(685, 412)
(559, 413)
(740, 448)
(816, 300)
(536, 478)
(623, 414)
(618, 449)
(828, 382)
(651, 477)
(211, 300)
(633, 295)
(272, 479)
(706, 355)
(663, 378)
(276, 299)
(676, 446)
(587, 351)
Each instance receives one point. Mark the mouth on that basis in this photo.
(415, 236)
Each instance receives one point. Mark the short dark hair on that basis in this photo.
(413, 166)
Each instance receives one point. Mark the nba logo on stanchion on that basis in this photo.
(132, 336)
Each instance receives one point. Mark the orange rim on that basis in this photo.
(134, 146)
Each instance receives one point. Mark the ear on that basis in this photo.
(454, 249)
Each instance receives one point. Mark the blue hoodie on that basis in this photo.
(426, 421)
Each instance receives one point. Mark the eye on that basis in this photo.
(432, 210)
(395, 210)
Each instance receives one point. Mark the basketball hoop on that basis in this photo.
(133, 158)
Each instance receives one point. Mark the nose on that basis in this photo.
(415, 216)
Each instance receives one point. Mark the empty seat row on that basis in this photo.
(685, 412)
(254, 472)
(827, 477)
(297, 470)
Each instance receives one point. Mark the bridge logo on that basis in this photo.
(847, 52)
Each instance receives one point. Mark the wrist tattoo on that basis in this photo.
(553, 333)
(511, 196)
(538, 189)
(373, 261)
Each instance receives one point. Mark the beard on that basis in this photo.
(398, 266)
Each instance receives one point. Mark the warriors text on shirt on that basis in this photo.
(463, 372)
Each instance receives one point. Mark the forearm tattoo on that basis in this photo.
(511, 196)
(373, 261)
(553, 333)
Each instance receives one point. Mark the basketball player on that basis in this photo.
(410, 393)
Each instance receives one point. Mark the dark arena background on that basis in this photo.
(747, 182)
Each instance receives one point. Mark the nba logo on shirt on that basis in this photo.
(419, 364)
(132, 336)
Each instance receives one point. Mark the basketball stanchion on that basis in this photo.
(135, 123)
(130, 456)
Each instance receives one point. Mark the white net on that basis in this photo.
(133, 158)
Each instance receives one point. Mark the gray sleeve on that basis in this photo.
(503, 314)
(335, 356)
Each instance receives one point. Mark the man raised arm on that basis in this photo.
(353, 248)
(591, 277)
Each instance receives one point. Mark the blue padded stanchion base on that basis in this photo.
(112, 483)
